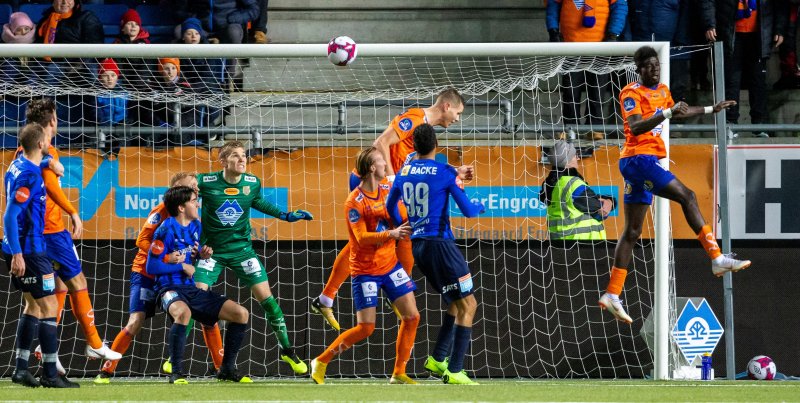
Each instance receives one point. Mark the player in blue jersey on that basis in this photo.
(25, 255)
(425, 186)
(177, 291)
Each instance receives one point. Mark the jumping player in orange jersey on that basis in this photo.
(142, 304)
(646, 104)
(394, 144)
(374, 265)
(58, 240)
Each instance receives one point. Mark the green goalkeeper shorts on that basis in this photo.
(246, 265)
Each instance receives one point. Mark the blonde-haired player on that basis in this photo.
(374, 266)
(395, 144)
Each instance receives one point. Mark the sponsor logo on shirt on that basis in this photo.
(231, 191)
(251, 179)
(157, 247)
(229, 212)
(405, 124)
(212, 178)
(22, 194)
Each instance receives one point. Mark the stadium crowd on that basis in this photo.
(751, 29)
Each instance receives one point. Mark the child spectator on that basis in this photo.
(135, 71)
(204, 75)
(20, 29)
(112, 103)
(131, 30)
(178, 94)
(15, 70)
(170, 79)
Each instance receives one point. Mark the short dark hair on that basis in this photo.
(176, 197)
(41, 111)
(450, 95)
(642, 54)
(30, 136)
(424, 139)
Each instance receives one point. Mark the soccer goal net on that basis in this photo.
(303, 121)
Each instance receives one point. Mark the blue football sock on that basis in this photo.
(234, 335)
(444, 341)
(460, 348)
(177, 343)
(26, 333)
(48, 339)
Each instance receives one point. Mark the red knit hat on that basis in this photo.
(130, 15)
(108, 65)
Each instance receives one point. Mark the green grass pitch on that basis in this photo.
(429, 390)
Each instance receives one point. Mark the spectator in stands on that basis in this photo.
(67, 22)
(790, 72)
(204, 75)
(223, 19)
(136, 72)
(260, 24)
(165, 114)
(15, 70)
(112, 103)
(750, 29)
(667, 21)
(19, 29)
(585, 21)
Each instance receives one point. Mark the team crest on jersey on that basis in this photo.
(405, 124)
(353, 216)
(246, 190)
(229, 212)
(648, 186)
(251, 179)
(628, 188)
(628, 104)
(211, 178)
(154, 219)
(404, 171)
(231, 191)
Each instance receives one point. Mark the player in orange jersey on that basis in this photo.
(142, 304)
(646, 104)
(374, 265)
(58, 240)
(395, 144)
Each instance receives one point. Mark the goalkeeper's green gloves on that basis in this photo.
(296, 215)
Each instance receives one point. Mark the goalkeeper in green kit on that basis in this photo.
(227, 197)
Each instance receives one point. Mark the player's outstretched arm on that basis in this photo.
(297, 215)
(686, 111)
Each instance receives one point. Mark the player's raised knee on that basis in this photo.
(240, 315)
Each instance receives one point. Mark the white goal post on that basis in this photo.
(663, 290)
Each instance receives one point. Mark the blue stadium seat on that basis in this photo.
(5, 13)
(109, 15)
(34, 11)
(159, 22)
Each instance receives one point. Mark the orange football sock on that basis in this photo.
(213, 339)
(340, 273)
(404, 255)
(82, 309)
(61, 299)
(405, 342)
(617, 281)
(346, 340)
(120, 345)
(709, 242)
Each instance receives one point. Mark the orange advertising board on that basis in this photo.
(115, 196)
